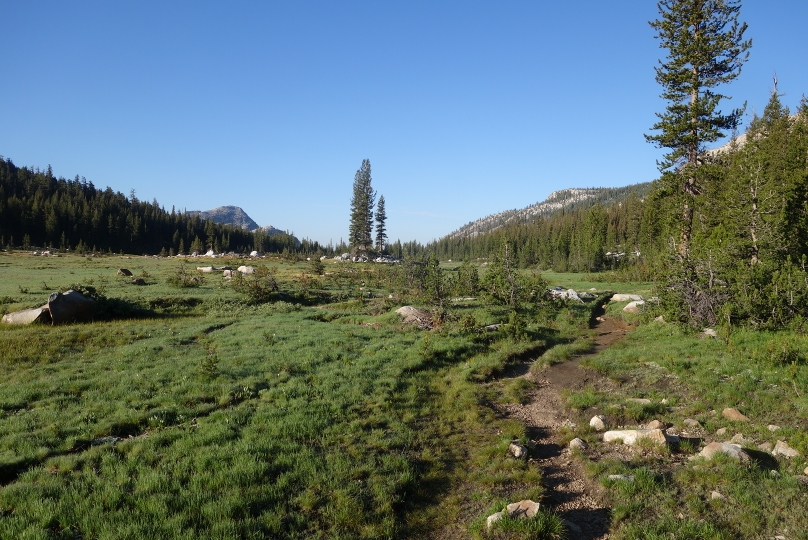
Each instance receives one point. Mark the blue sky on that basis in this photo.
(463, 108)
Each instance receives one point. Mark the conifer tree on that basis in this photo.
(381, 229)
(705, 49)
(360, 230)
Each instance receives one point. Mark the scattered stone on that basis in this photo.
(227, 273)
(634, 307)
(493, 518)
(598, 423)
(517, 450)
(692, 422)
(655, 424)
(731, 413)
(138, 281)
(781, 448)
(659, 319)
(419, 317)
(631, 437)
(246, 270)
(622, 477)
(205, 269)
(124, 272)
(626, 297)
(765, 447)
(772, 427)
(738, 438)
(720, 432)
(523, 509)
(492, 327)
(639, 400)
(710, 332)
(716, 495)
(732, 450)
(580, 444)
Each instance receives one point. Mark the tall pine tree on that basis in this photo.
(381, 228)
(360, 229)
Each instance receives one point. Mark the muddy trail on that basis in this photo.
(570, 492)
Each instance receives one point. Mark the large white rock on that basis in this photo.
(781, 448)
(246, 270)
(598, 423)
(626, 297)
(517, 450)
(732, 450)
(634, 307)
(633, 436)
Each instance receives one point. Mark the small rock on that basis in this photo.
(523, 509)
(806, 470)
(517, 450)
(734, 414)
(631, 437)
(655, 424)
(622, 477)
(772, 427)
(732, 450)
(716, 495)
(492, 327)
(765, 447)
(659, 319)
(738, 438)
(721, 432)
(138, 281)
(802, 479)
(641, 401)
(598, 423)
(580, 444)
(710, 332)
(774, 473)
(493, 518)
(692, 422)
(781, 448)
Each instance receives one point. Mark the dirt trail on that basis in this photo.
(570, 492)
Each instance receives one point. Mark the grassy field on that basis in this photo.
(197, 414)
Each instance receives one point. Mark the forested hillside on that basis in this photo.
(38, 209)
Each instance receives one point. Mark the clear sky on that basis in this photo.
(464, 108)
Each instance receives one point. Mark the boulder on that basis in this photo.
(518, 510)
(734, 414)
(626, 298)
(639, 400)
(781, 448)
(205, 269)
(634, 307)
(413, 315)
(517, 450)
(70, 306)
(692, 423)
(598, 422)
(28, 316)
(253, 253)
(138, 281)
(631, 437)
(227, 273)
(710, 332)
(655, 424)
(579, 444)
(246, 270)
(493, 518)
(732, 450)
(124, 272)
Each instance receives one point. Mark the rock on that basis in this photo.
(71, 306)
(734, 414)
(579, 444)
(634, 307)
(691, 422)
(659, 319)
(720, 432)
(598, 423)
(738, 438)
(655, 424)
(710, 332)
(806, 470)
(781, 448)
(626, 298)
(802, 479)
(716, 495)
(246, 270)
(517, 450)
(493, 518)
(138, 281)
(772, 427)
(28, 316)
(227, 273)
(205, 269)
(774, 473)
(572, 528)
(492, 327)
(253, 253)
(416, 316)
(765, 447)
(639, 400)
(124, 272)
(732, 450)
(631, 437)
(523, 509)
(622, 477)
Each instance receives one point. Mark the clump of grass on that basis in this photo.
(563, 352)
(584, 399)
(517, 390)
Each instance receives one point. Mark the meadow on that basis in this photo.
(194, 412)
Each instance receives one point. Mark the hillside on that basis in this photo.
(227, 215)
(565, 199)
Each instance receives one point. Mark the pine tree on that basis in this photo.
(705, 49)
(381, 229)
(360, 230)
